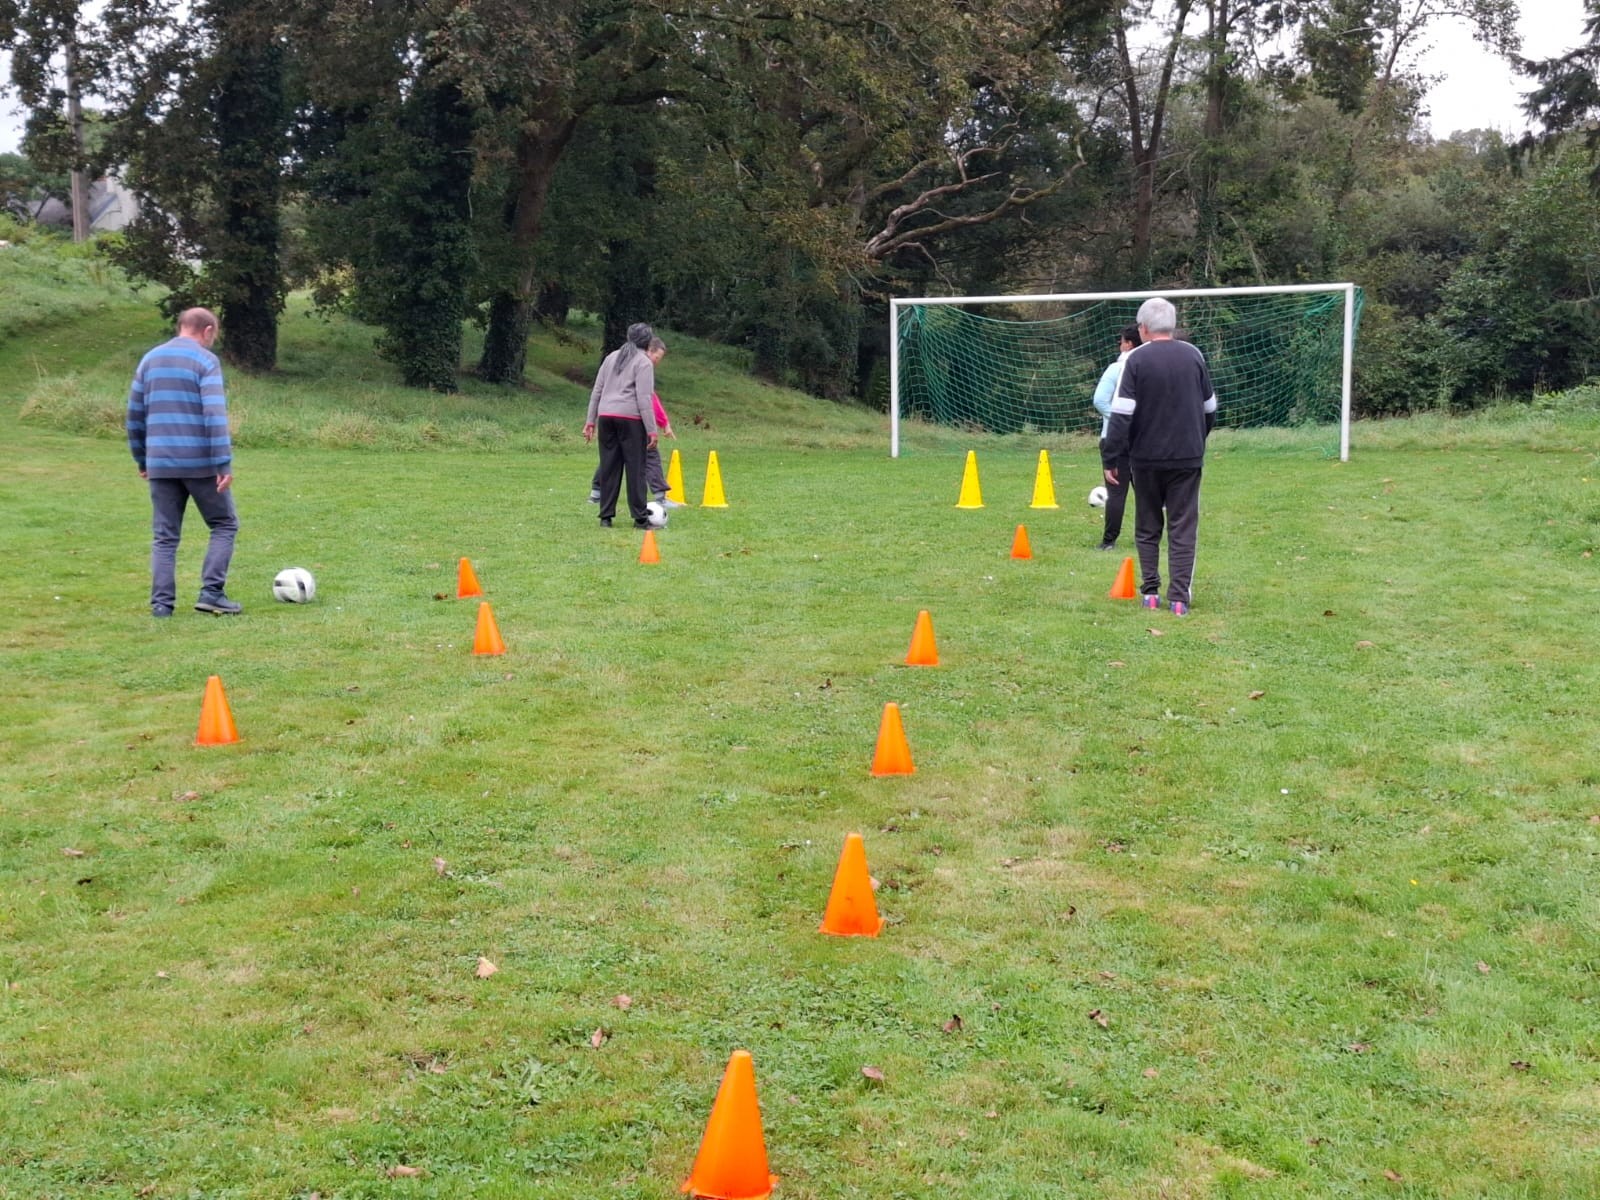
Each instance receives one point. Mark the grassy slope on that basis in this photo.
(256, 983)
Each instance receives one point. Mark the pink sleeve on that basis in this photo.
(661, 414)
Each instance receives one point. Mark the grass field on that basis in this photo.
(1322, 857)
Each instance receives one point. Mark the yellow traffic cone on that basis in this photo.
(1044, 489)
(971, 493)
(675, 478)
(713, 497)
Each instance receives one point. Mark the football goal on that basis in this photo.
(1029, 364)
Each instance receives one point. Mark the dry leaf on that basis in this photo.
(1595, 819)
(1363, 645)
(403, 1172)
(355, 891)
(1483, 967)
(624, 1002)
(437, 1068)
(1392, 1176)
(1328, 612)
(440, 867)
(162, 975)
(1359, 1047)
(1150, 1072)
(71, 853)
(953, 1025)
(1100, 1018)
(1107, 975)
(1257, 695)
(1519, 1065)
(190, 796)
(1115, 663)
(873, 1073)
(148, 1189)
(485, 968)
(1155, 633)
(598, 1037)
(991, 1114)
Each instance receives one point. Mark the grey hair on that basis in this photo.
(657, 346)
(1158, 316)
(639, 338)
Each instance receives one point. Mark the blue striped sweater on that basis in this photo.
(177, 413)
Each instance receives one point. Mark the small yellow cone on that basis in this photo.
(713, 497)
(971, 493)
(675, 478)
(1044, 488)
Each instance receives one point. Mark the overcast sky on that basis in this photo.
(1479, 91)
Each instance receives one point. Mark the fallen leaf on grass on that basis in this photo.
(1328, 612)
(162, 975)
(1100, 1018)
(873, 1073)
(1116, 663)
(190, 796)
(1257, 695)
(1150, 1072)
(403, 1172)
(1107, 976)
(485, 968)
(598, 1037)
(71, 853)
(1519, 1065)
(1359, 1047)
(953, 1025)
(1364, 645)
(440, 867)
(1155, 632)
(1392, 1176)
(1483, 967)
(624, 1002)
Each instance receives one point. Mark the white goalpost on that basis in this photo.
(1014, 374)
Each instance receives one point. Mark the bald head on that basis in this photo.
(199, 324)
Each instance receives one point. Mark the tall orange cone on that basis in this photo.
(487, 640)
(712, 497)
(852, 908)
(893, 755)
(1123, 588)
(649, 553)
(1044, 488)
(971, 492)
(924, 650)
(675, 478)
(732, 1162)
(216, 718)
(1019, 544)
(466, 580)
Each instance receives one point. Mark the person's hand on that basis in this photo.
(671, 434)
(588, 431)
(223, 481)
(1111, 476)
(144, 474)
(650, 440)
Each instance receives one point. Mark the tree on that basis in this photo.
(1566, 97)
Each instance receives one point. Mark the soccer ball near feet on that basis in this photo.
(1097, 497)
(658, 515)
(294, 585)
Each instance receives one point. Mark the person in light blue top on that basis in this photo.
(1104, 393)
(178, 433)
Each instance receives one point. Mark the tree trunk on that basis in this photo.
(250, 113)
(511, 311)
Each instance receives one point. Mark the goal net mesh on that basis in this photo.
(1023, 367)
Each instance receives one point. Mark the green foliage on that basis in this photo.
(47, 279)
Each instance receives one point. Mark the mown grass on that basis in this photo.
(1343, 932)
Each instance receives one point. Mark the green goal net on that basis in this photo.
(1030, 364)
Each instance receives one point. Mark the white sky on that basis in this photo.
(1479, 91)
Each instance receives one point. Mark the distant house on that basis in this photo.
(112, 206)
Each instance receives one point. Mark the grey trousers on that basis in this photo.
(168, 500)
(655, 479)
(1172, 498)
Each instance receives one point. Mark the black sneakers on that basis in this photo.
(216, 602)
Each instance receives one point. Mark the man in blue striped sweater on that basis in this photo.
(178, 432)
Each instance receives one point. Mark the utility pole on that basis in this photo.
(80, 186)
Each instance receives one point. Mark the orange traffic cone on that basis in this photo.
(924, 652)
(648, 553)
(852, 909)
(216, 718)
(1019, 544)
(1123, 588)
(487, 640)
(892, 756)
(466, 580)
(732, 1162)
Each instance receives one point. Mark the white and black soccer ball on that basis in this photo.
(657, 514)
(1097, 497)
(294, 585)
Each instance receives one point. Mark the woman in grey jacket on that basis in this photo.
(621, 413)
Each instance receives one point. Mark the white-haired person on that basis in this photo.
(1162, 414)
(621, 414)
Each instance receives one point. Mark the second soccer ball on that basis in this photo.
(1097, 497)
